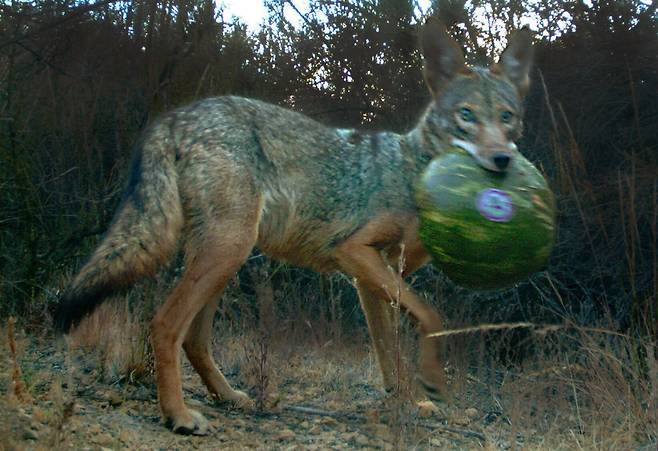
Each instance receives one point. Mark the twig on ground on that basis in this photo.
(456, 430)
(324, 413)
(538, 328)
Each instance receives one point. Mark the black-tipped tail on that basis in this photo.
(142, 236)
(75, 305)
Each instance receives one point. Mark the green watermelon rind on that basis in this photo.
(500, 253)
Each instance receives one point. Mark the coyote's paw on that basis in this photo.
(190, 422)
(241, 400)
(433, 381)
(427, 409)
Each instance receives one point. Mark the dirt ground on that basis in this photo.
(317, 397)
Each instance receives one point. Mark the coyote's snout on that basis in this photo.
(224, 175)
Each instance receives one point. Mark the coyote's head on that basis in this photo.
(477, 109)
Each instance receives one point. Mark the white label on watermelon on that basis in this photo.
(495, 205)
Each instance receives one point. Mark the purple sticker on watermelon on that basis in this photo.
(495, 205)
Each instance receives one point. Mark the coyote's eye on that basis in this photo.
(467, 115)
(506, 117)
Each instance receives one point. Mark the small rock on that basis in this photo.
(460, 420)
(361, 440)
(285, 434)
(472, 413)
(95, 429)
(103, 439)
(427, 409)
(348, 436)
(295, 398)
(127, 436)
(333, 405)
(330, 421)
(114, 399)
(233, 434)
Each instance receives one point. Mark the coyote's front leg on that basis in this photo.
(359, 256)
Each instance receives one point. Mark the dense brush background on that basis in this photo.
(78, 81)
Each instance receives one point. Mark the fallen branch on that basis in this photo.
(455, 430)
(538, 329)
(324, 413)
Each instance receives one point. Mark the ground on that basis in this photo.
(315, 396)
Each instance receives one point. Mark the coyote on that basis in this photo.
(227, 174)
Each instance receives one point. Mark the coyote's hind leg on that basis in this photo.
(214, 253)
(198, 347)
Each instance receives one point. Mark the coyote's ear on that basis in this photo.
(443, 57)
(516, 59)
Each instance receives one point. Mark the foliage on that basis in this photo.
(79, 80)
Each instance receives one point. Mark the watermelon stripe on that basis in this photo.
(475, 251)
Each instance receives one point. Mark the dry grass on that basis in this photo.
(119, 339)
(589, 388)
(17, 392)
(257, 365)
(64, 408)
(580, 388)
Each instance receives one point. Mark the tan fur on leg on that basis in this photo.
(359, 257)
(380, 318)
(198, 347)
(209, 269)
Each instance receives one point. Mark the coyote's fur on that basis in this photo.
(224, 175)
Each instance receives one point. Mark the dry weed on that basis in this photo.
(18, 393)
(258, 353)
(120, 339)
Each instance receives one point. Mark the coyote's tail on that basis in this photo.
(143, 233)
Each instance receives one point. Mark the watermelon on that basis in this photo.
(484, 229)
